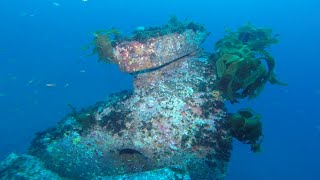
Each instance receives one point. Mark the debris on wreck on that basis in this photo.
(173, 125)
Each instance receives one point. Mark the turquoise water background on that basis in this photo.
(43, 69)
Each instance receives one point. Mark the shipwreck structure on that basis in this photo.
(173, 125)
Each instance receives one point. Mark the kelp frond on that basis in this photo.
(103, 44)
(246, 127)
(240, 65)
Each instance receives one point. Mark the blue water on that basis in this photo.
(41, 43)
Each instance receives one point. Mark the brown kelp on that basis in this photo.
(103, 44)
(246, 126)
(243, 64)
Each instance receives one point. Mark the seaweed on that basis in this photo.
(243, 65)
(103, 43)
(84, 117)
(246, 126)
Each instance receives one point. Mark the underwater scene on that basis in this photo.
(159, 90)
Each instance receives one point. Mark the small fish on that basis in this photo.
(23, 13)
(2, 94)
(140, 28)
(66, 85)
(56, 4)
(26, 14)
(51, 85)
(83, 71)
(30, 82)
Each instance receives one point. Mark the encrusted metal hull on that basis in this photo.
(174, 117)
(133, 56)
